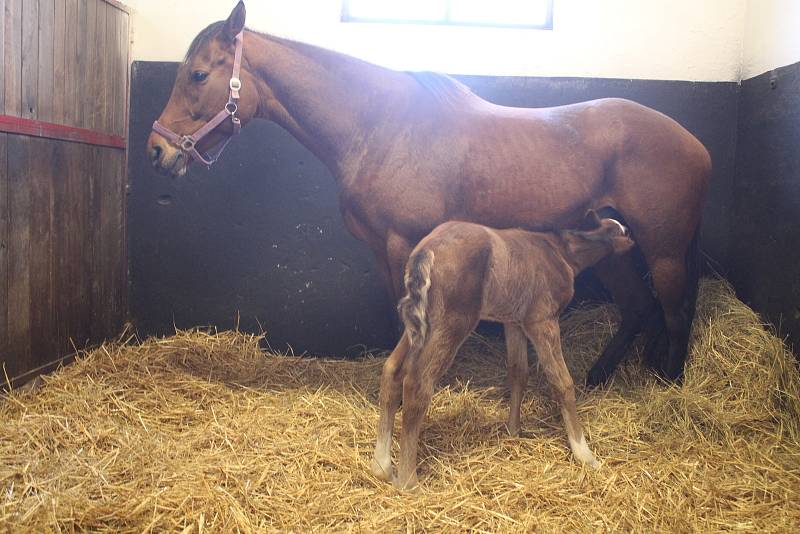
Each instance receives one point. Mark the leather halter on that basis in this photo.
(188, 143)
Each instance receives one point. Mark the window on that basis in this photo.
(498, 13)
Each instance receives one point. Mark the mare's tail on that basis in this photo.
(413, 307)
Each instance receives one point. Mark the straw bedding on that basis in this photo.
(202, 432)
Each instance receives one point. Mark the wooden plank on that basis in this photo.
(71, 73)
(49, 130)
(92, 52)
(46, 60)
(125, 48)
(62, 249)
(59, 56)
(100, 260)
(42, 291)
(5, 349)
(30, 58)
(113, 51)
(103, 60)
(118, 5)
(12, 66)
(118, 248)
(80, 64)
(3, 58)
(121, 235)
(87, 175)
(19, 287)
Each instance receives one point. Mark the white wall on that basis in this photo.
(651, 39)
(771, 35)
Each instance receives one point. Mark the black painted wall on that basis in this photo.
(259, 239)
(765, 251)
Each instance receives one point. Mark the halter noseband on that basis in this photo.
(188, 143)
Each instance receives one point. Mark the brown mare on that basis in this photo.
(461, 273)
(410, 151)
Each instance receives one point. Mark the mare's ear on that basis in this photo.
(622, 244)
(235, 22)
(591, 221)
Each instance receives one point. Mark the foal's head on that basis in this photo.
(596, 239)
(201, 90)
(608, 232)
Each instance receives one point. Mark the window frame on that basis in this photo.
(546, 25)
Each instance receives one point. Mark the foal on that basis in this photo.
(462, 273)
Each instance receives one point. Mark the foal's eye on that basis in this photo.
(199, 76)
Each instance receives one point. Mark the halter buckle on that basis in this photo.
(235, 84)
(187, 143)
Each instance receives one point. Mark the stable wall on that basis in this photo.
(765, 262)
(259, 242)
(259, 239)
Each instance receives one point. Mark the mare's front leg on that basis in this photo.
(517, 368)
(388, 402)
(546, 338)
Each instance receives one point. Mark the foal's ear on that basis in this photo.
(590, 221)
(235, 22)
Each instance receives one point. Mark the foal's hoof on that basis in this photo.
(409, 486)
(379, 471)
(597, 376)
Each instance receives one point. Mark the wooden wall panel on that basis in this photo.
(12, 67)
(63, 259)
(5, 347)
(46, 43)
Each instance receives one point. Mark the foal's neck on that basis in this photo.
(329, 101)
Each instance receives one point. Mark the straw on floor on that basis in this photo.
(203, 432)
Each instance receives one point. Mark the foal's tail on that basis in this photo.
(413, 307)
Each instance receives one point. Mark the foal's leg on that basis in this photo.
(545, 336)
(422, 374)
(388, 403)
(517, 367)
(636, 304)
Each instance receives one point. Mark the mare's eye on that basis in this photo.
(199, 76)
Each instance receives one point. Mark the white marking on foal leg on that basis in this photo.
(381, 465)
(582, 453)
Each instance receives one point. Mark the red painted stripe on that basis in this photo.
(50, 130)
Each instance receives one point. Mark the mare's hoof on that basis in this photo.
(597, 376)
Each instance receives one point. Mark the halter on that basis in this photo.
(188, 143)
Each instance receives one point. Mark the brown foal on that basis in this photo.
(462, 273)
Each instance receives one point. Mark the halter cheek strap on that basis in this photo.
(188, 143)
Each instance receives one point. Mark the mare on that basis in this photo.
(412, 150)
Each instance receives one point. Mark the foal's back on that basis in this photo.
(509, 274)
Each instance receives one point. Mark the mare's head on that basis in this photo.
(607, 235)
(201, 91)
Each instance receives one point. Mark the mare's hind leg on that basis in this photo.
(423, 371)
(636, 304)
(545, 336)
(517, 368)
(388, 402)
(675, 293)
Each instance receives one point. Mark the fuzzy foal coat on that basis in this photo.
(464, 272)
